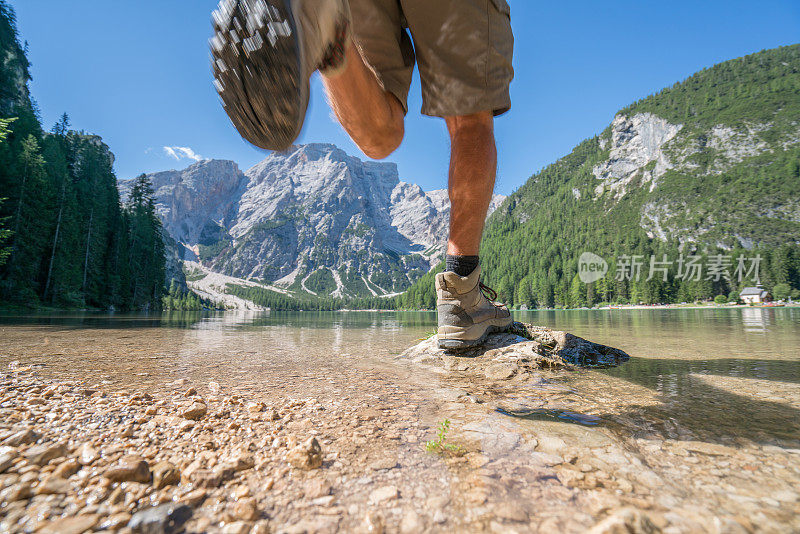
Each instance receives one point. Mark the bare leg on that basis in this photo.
(371, 116)
(473, 165)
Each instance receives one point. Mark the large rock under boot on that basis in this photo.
(522, 347)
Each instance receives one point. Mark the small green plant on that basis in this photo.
(440, 445)
(427, 335)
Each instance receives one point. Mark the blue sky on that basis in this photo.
(137, 73)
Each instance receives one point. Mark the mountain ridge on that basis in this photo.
(708, 166)
(312, 219)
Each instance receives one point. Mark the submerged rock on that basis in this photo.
(523, 348)
(626, 521)
(164, 519)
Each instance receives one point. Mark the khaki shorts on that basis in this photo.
(464, 49)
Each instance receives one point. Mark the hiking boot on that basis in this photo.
(263, 55)
(466, 315)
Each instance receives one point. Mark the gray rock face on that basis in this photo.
(193, 203)
(635, 142)
(643, 148)
(311, 219)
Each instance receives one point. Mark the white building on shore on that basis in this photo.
(754, 295)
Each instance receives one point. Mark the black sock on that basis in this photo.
(461, 265)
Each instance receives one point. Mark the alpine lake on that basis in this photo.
(328, 428)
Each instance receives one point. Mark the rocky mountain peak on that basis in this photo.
(311, 219)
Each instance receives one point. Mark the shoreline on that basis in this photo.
(23, 311)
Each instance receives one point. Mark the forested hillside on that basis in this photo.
(66, 240)
(709, 167)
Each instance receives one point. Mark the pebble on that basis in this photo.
(712, 449)
(116, 521)
(570, 477)
(194, 498)
(237, 527)
(67, 469)
(551, 444)
(551, 469)
(307, 455)
(7, 458)
(439, 517)
(88, 455)
(374, 522)
(53, 485)
(625, 521)
(165, 474)
(17, 492)
(70, 525)
(317, 487)
(255, 407)
(129, 468)
(22, 437)
(42, 454)
(243, 462)
(383, 464)
(207, 478)
(381, 495)
(511, 512)
(166, 518)
(411, 523)
(546, 459)
(195, 412)
(246, 509)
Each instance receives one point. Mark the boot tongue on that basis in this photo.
(462, 284)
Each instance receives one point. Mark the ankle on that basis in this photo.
(461, 265)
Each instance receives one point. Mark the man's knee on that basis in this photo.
(378, 138)
(383, 140)
(473, 128)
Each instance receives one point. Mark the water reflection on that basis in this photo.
(671, 377)
(679, 358)
(755, 319)
(229, 319)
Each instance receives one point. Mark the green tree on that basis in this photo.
(146, 255)
(781, 291)
(5, 232)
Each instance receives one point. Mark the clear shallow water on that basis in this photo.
(702, 425)
(713, 372)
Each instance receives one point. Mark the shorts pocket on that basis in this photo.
(502, 6)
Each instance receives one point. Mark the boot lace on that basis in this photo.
(488, 292)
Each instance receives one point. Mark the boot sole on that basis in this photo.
(460, 344)
(258, 73)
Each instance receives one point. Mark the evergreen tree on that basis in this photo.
(65, 238)
(146, 246)
(5, 232)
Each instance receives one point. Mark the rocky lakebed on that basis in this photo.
(501, 444)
